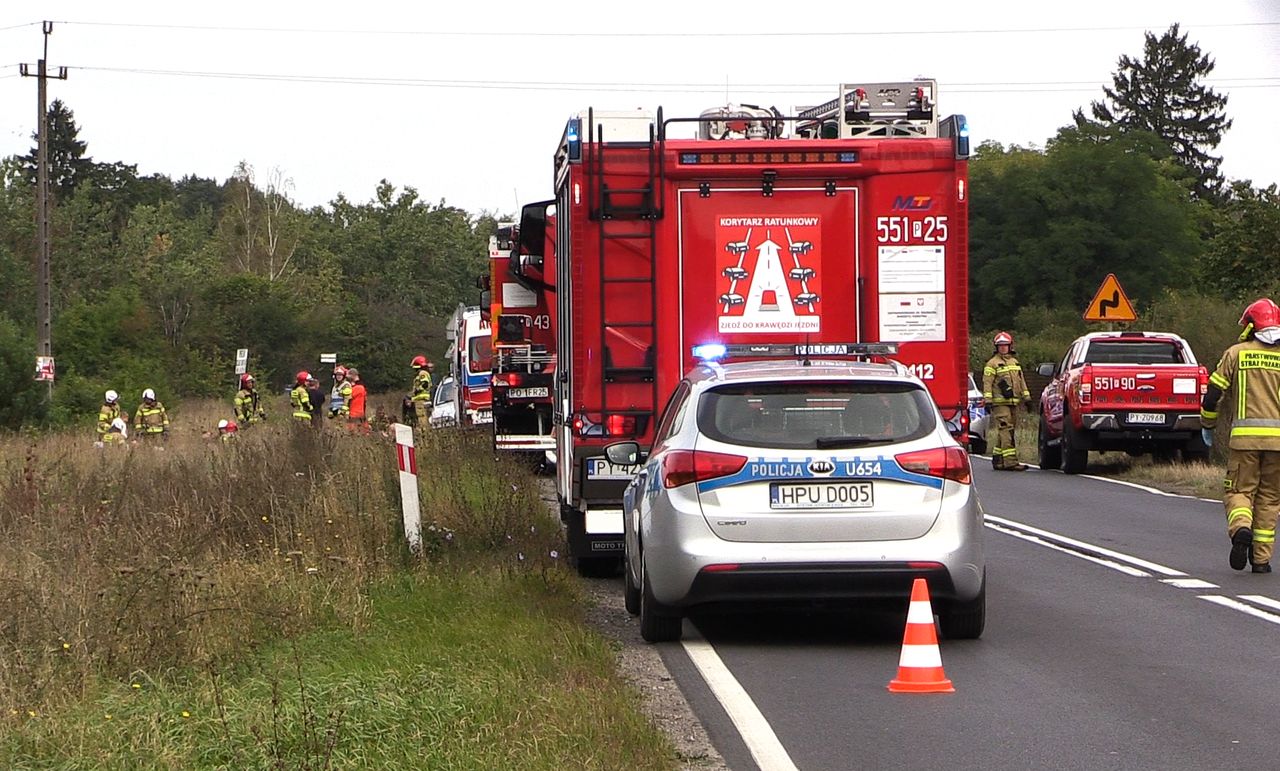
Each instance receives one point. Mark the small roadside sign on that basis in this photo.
(242, 360)
(328, 358)
(44, 369)
(1110, 303)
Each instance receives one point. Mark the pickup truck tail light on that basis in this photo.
(1086, 384)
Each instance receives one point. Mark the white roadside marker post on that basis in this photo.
(408, 463)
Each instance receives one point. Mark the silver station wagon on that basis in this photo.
(799, 481)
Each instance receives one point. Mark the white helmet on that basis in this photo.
(121, 426)
(222, 424)
(112, 396)
(149, 395)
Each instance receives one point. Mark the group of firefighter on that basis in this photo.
(1251, 493)
(347, 403)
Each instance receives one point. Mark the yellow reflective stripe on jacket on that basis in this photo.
(1220, 381)
(1260, 360)
(1207, 415)
(1242, 511)
(1003, 369)
(301, 403)
(1263, 536)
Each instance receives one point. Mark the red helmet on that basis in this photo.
(303, 377)
(339, 370)
(227, 426)
(1261, 314)
(245, 380)
(419, 362)
(1002, 338)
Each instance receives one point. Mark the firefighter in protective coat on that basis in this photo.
(421, 392)
(300, 399)
(1004, 388)
(248, 409)
(1252, 495)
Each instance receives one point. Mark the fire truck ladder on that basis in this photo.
(628, 219)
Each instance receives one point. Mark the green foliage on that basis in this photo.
(1047, 227)
(1164, 93)
(1241, 259)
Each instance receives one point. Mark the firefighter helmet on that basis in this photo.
(1261, 314)
(148, 395)
(1002, 338)
(303, 377)
(246, 380)
(227, 426)
(419, 362)
(111, 397)
(339, 370)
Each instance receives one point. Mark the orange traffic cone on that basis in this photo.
(920, 665)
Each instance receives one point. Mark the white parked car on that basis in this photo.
(444, 405)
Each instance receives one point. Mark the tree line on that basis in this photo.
(157, 281)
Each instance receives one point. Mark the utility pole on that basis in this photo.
(44, 306)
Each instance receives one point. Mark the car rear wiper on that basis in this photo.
(834, 442)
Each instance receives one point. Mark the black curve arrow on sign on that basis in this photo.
(1114, 302)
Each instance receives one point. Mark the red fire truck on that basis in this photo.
(846, 222)
(522, 319)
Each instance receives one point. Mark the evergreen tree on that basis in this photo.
(68, 165)
(1164, 93)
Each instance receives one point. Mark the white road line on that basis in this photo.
(1188, 583)
(1050, 544)
(1098, 551)
(1227, 602)
(755, 731)
(1259, 599)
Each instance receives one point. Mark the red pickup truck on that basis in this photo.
(1136, 392)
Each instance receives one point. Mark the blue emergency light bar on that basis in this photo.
(717, 351)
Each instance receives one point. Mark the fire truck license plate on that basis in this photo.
(536, 392)
(1155, 418)
(823, 495)
(601, 468)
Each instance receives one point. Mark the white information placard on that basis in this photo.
(912, 269)
(516, 296)
(908, 317)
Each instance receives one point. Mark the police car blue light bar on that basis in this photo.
(709, 351)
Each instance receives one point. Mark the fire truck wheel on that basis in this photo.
(658, 623)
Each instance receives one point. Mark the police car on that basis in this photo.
(800, 480)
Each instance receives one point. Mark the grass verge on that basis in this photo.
(254, 605)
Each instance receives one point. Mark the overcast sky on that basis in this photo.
(465, 101)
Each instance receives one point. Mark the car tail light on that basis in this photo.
(680, 467)
(508, 378)
(726, 567)
(945, 462)
(1086, 384)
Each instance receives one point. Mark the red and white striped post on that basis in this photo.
(408, 463)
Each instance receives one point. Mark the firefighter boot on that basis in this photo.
(1241, 544)
(1262, 567)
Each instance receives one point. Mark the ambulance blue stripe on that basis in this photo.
(797, 470)
(474, 381)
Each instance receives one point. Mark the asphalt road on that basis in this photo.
(1117, 638)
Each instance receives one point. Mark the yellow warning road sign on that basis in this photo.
(1110, 303)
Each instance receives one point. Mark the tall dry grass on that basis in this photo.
(126, 562)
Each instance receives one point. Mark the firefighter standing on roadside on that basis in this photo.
(300, 400)
(248, 410)
(340, 407)
(1252, 495)
(355, 403)
(108, 413)
(1003, 388)
(150, 421)
(421, 393)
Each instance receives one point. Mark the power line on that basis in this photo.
(607, 35)
(640, 87)
(19, 26)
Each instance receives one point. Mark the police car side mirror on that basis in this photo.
(623, 453)
(1046, 369)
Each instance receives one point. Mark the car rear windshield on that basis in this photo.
(1134, 352)
(812, 415)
